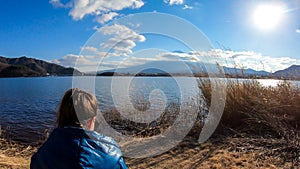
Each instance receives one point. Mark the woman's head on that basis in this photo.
(77, 108)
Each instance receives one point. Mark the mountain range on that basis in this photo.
(167, 68)
(30, 67)
(181, 68)
(292, 72)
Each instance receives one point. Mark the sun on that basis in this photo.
(267, 17)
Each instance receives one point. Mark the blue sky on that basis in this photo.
(57, 30)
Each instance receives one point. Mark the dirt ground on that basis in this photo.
(229, 152)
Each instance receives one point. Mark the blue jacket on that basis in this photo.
(72, 148)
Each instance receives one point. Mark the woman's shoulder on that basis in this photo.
(101, 138)
(81, 133)
(101, 146)
(106, 143)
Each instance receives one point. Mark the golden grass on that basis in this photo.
(229, 153)
(13, 162)
(15, 155)
(249, 104)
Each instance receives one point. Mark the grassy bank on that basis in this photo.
(14, 154)
(260, 128)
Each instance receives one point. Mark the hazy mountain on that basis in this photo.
(245, 72)
(293, 72)
(153, 67)
(30, 67)
(184, 68)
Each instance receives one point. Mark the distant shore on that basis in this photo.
(111, 74)
(156, 75)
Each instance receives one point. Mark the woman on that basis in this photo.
(74, 144)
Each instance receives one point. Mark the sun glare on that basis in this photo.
(268, 17)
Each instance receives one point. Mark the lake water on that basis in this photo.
(27, 105)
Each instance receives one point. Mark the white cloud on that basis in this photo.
(234, 59)
(238, 59)
(87, 63)
(174, 2)
(105, 8)
(72, 60)
(81, 8)
(187, 7)
(58, 4)
(90, 49)
(131, 61)
(106, 17)
(123, 39)
(93, 51)
(174, 56)
(297, 30)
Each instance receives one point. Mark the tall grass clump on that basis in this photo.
(257, 108)
(269, 113)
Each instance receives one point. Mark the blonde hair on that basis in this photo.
(76, 107)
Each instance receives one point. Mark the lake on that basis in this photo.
(28, 105)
